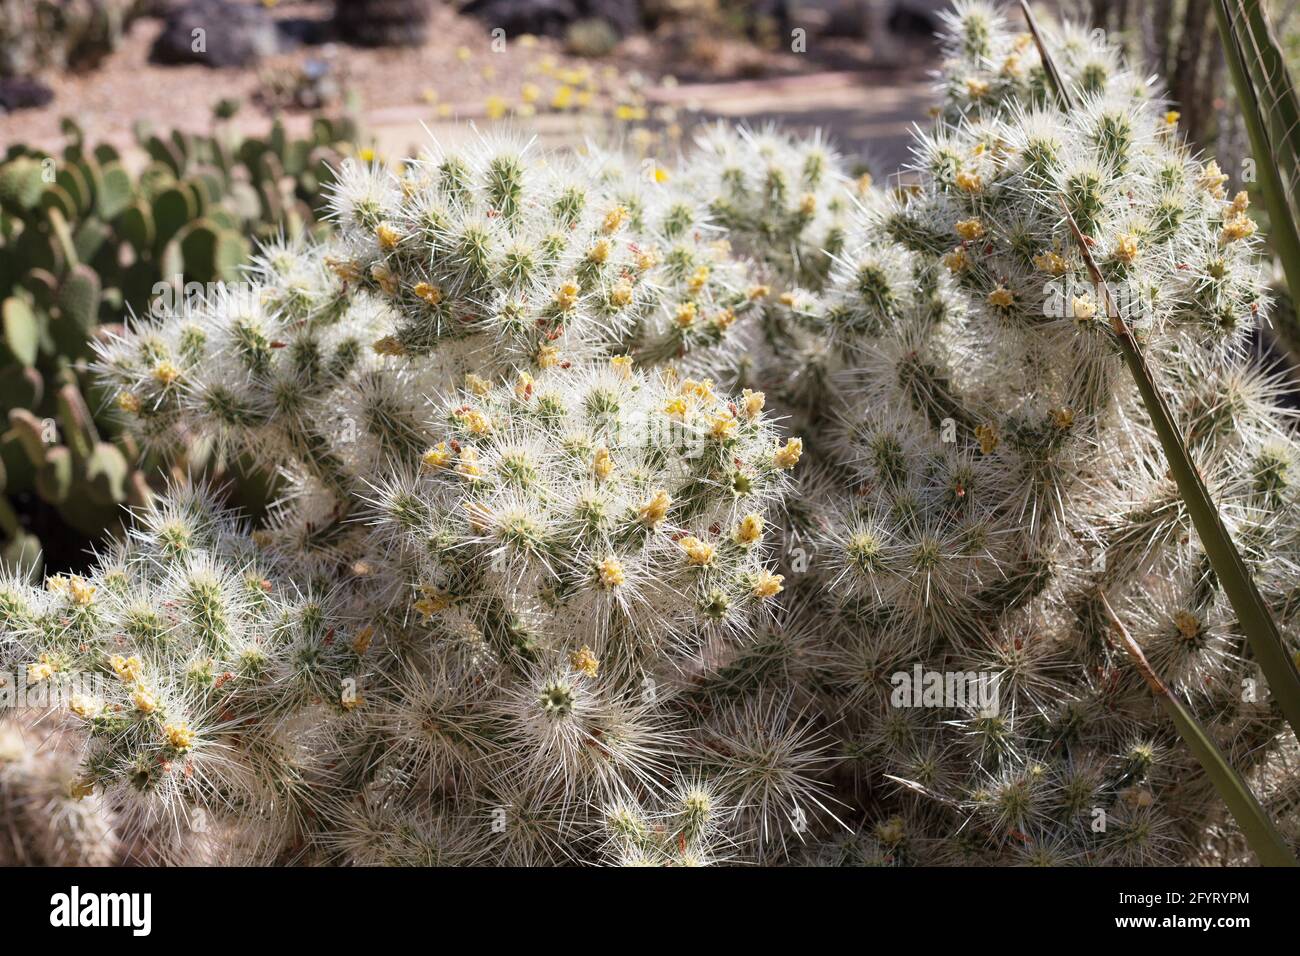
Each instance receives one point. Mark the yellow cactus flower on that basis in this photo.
(613, 220)
(1237, 228)
(1188, 624)
(723, 425)
(431, 602)
(749, 531)
(685, 315)
(431, 294)
(85, 707)
(81, 593)
(166, 372)
(1051, 262)
(969, 182)
(1211, 180)
(387, 237)
(389, 345)
(787, 457)
(385, 278)
(1126, 249)
(647, 258)
(622, 365)
(584, 661)
(127, 669)
(767, 585)
(699, 553)
(179, 736)
(42, 670)
(363, 639)
(1001, 298)
(475, 420)
(957, 260)
(144, 699)
(702, 389)
(128, 402)
(970, 229)
(752, 403)
(548, 356)
(566, 297)
(656, 509)
(602, 466)
(80, 789)
(611, 573)
(987, 436)
(621, 294)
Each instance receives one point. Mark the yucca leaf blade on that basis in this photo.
(1282, 220)
(1253, 615)
(1262, 836)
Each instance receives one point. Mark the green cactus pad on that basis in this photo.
(89, 239)
(56, 197)
(78, 310)
(135, 227)
(73, 182)
(21, 183)
(20, 387)
(115, 190)
(172, 209)
(21, 331)
(211, 253)
(165, 152)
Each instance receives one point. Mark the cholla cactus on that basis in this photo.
(493, 400)
(1000, 475)
(522, 600)
(190, 666)
(784, 201)
(988, 67)
(46, 818)
(526, 265)
(633, 508)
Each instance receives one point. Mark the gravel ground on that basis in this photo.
(457, 76)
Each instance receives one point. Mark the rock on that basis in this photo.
(216, 33)
(23, 92)
(553, 17)
(382, 22)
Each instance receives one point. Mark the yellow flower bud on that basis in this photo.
(654, 510)
(699, 553)
(749, 531)
(767, 584)
(788, 456)
(611, 573)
